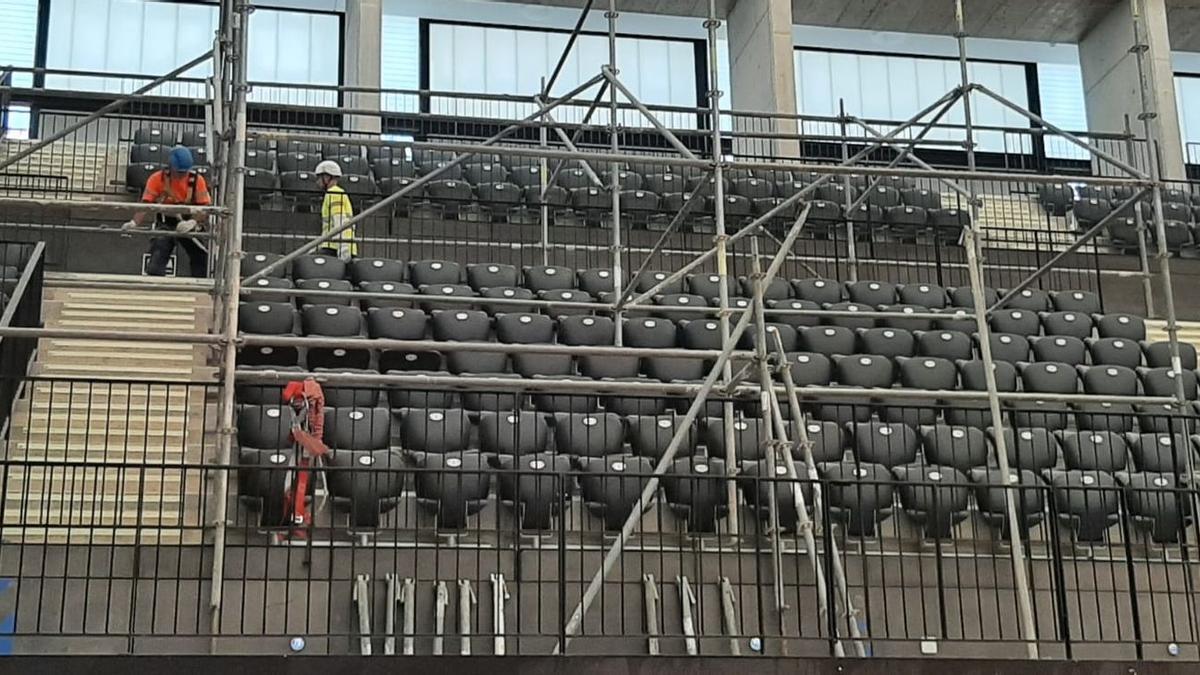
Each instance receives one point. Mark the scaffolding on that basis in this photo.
(227, 119)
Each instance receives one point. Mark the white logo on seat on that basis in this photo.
(934, 475)
(435, 266)
(829, 332)
(1122, 319)
(512, 419)
(366, 460)
(1088, 480)
(958, 433)
(493, 269)
(331, 311)
(273, 412)
(436, 416)
(885, 431)
(604, 274)
(339, 352)
(508, 293)
(701, 468)
(277, 458)
(1164, 440)
(462, 316)
(664, 424)
(1027, 435)
(389, 287)
(525, 319)
(683, 300)
(589, 322)
(741, 425)
(264, 282)
(710, 325)
(1097, 439)
(454, 462)
(859, 473)
(946, 337)
(618, 466)
(590, 421)
(1111, 372)
(889, 334)
(260, 258)
(319, 261)
(865, 361)
(1026, 293)
(1119, 344)
(1051, 368)
(537, 464)
(814, 428)
(873, 286)
(819, 283)
(1060, 342)
(1005, 339)
(1068, 317)
(264, 308)
(803, 358)
(930, 363)
(1161, 482)
(550, 271)
(447, 290)
(780, 470)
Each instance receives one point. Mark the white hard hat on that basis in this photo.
(329, 168)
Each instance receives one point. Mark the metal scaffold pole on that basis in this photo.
(722, 255)
(1163, 253)
(232, 285)
(973, 247)
(614, 168)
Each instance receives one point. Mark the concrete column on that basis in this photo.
(762, 72)
(1112, 84)
(364, 38)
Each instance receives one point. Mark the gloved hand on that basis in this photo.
(344, 253)
(186, 226)
(131, 225)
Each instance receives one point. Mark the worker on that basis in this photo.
(335, 211)
(177, 184)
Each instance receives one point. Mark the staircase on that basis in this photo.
(67, 165)
(1189, 331)
(107, 447)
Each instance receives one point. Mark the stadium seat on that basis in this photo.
(991, 488)
(612, 485)
(934, 496)
(1157, 505)
(886, 443)
(859, 495)
(452, 486)
(1087, 502)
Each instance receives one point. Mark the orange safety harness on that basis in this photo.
(307, 401)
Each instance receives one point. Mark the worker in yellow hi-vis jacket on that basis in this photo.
(335, 211)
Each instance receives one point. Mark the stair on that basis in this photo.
(66, 165)
(102, 458)
(1019, 222)
(1189, 331)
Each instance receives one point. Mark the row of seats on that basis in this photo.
(452, 482)
(264, 317)
(596, 434)
(1091, 204)
(927, 374)
(482, 276)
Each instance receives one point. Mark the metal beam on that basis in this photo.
(612, 78)
(562, 58)
(975, 270)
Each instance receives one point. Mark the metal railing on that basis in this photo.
(20, 307)
(410, 553)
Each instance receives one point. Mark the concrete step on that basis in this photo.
(23, 482)
(102, 536)
(110, 323)
(81, 412)
(109, 345)
(121, 359)
(124, 372)
(55, 425)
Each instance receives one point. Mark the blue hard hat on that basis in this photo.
(180, 159)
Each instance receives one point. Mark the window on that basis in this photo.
(884, 87)
(138, 40)
(494, 60)
(1061, 89)
(400, 62)
(18, 34)
(128, 37)
(1187, 99)
(298, 48)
